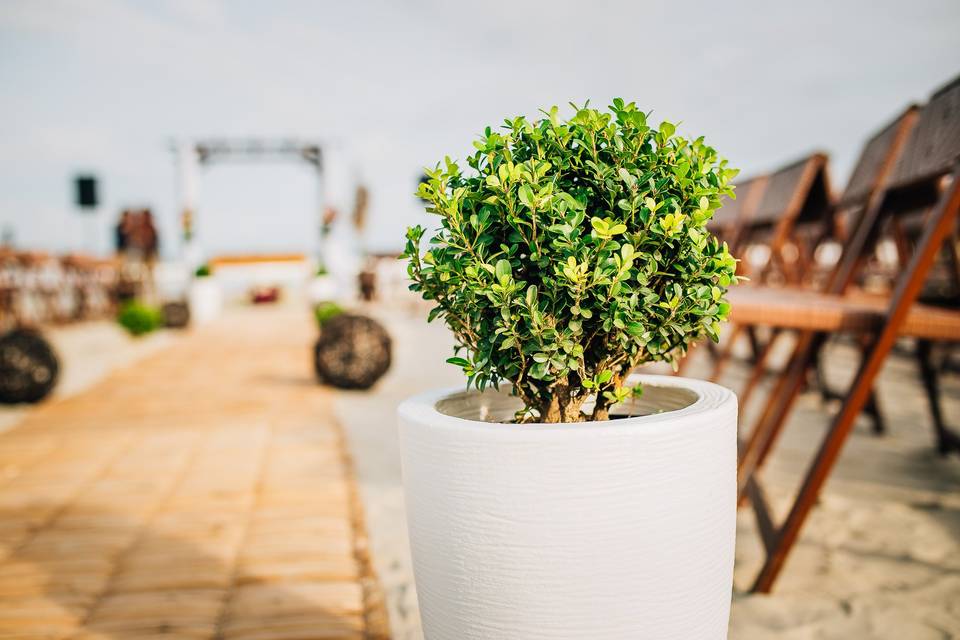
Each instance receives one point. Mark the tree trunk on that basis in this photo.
(562, 406)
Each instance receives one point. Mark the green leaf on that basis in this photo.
(532, 296)
(503, 269)
(526, 195)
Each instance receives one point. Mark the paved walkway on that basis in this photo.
(202, 493)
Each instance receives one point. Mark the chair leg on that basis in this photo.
(723, 358)
(937, 228)
(759, 369)
(872, 408)
(768, 427)
(755, 347)
(820, 469)
(946, 439)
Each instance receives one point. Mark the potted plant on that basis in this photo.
(139, 318)
(571, 252)
(323, 312)
(205, 297)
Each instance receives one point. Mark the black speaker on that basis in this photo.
(86, 192)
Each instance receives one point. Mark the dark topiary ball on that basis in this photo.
(353, 352)
(28, 367)
(176, 315)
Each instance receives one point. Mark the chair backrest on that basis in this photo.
(877, 159)
(729, 221)
(798, 192)
(930, 152)
(934, 147)
(792, 216)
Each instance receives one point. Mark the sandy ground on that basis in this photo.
(880, 557)
(370, 422)
(88, 351)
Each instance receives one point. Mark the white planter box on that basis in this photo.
(323, 289)
(606, 530)
(205, 300)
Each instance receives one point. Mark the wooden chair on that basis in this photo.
(791, 215)
(731, 222)
(788, 214)
(926, 176)
(875, 162)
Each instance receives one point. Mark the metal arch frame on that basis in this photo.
(190, 155)
(217, 150)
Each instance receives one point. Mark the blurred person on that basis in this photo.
(122, 231)
(146, 239)
(128, 283)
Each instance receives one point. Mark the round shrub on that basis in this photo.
(176, 315)
(29, 367)
(203, 271)
(572, 251)
(353, 352)
(139, 318)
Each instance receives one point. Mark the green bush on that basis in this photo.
(139, 318)
(203, 271)
(321, 270)
(572, 252)
(325, 311)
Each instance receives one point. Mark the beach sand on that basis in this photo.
(879, 558)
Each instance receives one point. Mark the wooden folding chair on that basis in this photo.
(941, 289)
(874, 164)
(786, 212)
(731, 222)
(792, 210)
(926, 176)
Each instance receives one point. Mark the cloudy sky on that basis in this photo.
(102, 86)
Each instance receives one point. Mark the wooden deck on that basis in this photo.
(203, 493)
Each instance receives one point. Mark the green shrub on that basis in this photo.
(326, 311)
(321, 270)
(572, 252)
(139, 318)
(203, 271)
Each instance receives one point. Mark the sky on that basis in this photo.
(387, 87)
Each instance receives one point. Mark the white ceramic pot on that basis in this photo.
(205, 300)
(604, 530)
(323, 289)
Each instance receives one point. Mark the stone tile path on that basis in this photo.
(203, 493)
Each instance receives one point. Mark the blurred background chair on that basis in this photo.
(924, 182)
(834, 228)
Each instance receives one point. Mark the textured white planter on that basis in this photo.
(205, 300)
(606, 530)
